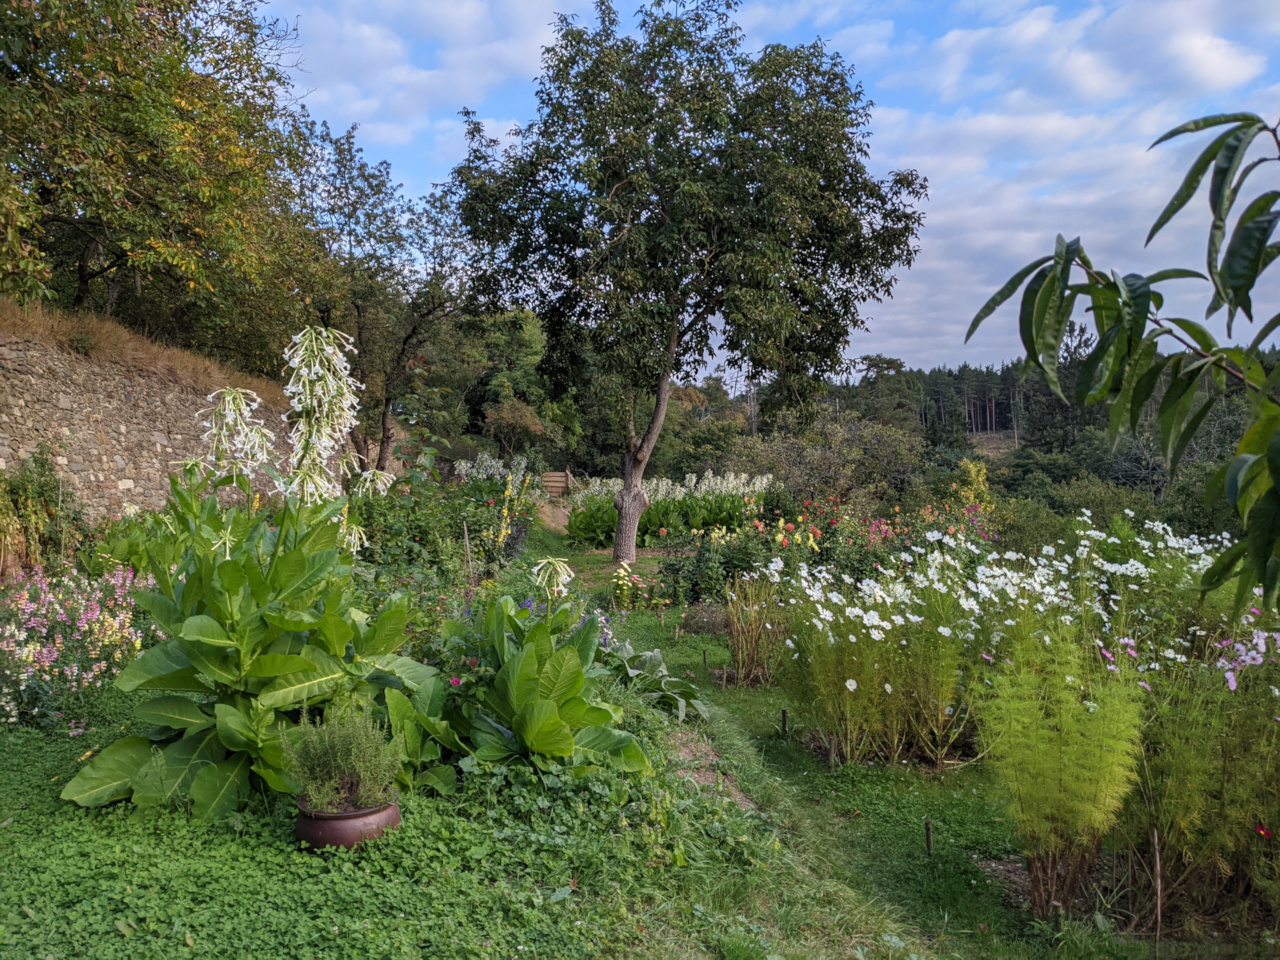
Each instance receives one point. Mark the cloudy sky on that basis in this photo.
(1028, 120)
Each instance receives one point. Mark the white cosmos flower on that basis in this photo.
(945, 631)
(888, 689)
(851, 685)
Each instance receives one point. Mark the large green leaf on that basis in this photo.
(296, 688)
(216, 663)
(562, 676)
(109, 775)
(442, 779)
(180, 713)
(207, 630)
(222, 788)
(287, 619)
(586, 640)
(235, 731)
(412, 672)
(164, 611)
(278, 665)
(606, 746)
(166, 658)
(169, 775)
(1203, 123)
(540, 729)
(516, 683)
(387, 633)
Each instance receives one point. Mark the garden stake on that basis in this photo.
(831, 755)
(928, 838)
(784, 721)
(467, 542)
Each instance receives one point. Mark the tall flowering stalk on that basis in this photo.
(239, 442)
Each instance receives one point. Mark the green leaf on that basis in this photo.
(272, 777)
(1265, 331)
(277, 665)
(296, 688)
(1026, 315)
(163, 611)
(1203, 123)
(180, 713)
(287, 619)
(1227, 163)
(412, 672)
(429, 698)
(169, 775)
(1190, 183)
(608, 747)
(540, 729)
(539, 640)
(562, 677)
(516, 683)
(1144, 388)
(442, 732)
(1188, 431)
(1262, 533)
(387, 633)
(442, 779)
(1003, 294)
(1089, 368)
(1223, 569)
(234, 729)
(207, 630)
(218, 664)
(109, 775)
(586, 641)
(1196, 331)
(222, 788)
(1243, 259)
(1175, 273)
(164, 659)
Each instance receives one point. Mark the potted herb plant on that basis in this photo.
(343, 768)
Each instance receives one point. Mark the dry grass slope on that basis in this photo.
(108, 341)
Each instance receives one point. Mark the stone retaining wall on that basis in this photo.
(115, 432)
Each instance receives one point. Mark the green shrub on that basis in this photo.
(1063, 738)
(341, 764)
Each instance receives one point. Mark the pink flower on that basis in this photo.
(1144, 685)
(987, 657)
(455, 681)
(1231, 679)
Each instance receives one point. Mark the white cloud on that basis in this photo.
(1028, 118)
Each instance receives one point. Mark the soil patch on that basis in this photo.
(698, 759)
(554, 515)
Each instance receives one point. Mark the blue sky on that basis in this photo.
(1028, 119)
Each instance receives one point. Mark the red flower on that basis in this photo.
(791, 528)
(1262, 831)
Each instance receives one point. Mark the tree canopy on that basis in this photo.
(678, 198)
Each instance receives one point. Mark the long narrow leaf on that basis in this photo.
(1203, 123)
(1190, 183)
(1003, 294)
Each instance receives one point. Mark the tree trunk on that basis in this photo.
(388, 434)
(361, 443)
(631, 501)
(82, 277)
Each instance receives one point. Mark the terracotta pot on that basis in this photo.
(322, 830)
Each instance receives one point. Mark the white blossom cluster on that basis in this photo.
(955, 592)
(737, 484)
